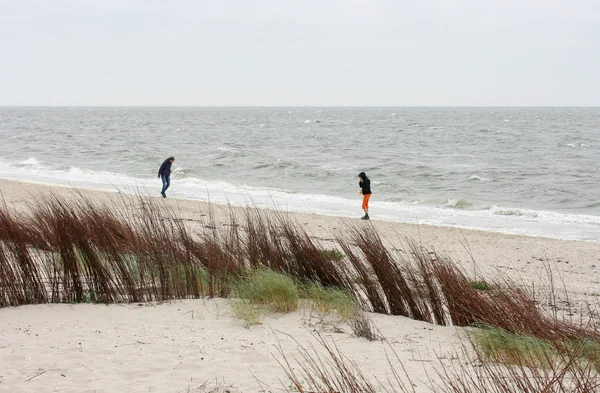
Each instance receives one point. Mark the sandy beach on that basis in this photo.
(196, 345)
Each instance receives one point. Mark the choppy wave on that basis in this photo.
(575, 145)
(182, 173)
(225, 148)
(30, 161)
(515, 212)
(480, 178)
(459, 204)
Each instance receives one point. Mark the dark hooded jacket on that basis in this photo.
(165, 168)
(364, 183)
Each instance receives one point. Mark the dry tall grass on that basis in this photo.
(138, 250)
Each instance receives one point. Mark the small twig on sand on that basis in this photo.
(35, 376)
(137, 342)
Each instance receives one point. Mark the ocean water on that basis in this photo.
(533, 171)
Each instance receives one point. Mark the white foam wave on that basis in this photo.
(460, 213)
(225, 148)
(514, 212)
(30, 161)
(181, 173)
(459, 204)
(480, 178)
(575, 144)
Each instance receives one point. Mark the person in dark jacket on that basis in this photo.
(164, 173)
(365, 189)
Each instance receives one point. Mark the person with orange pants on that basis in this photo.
(365, 189)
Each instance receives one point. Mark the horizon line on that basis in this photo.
(299, 106)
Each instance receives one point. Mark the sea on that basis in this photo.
(529, 171)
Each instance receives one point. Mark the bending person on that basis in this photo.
(164, 173)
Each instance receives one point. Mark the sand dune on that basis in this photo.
(198, 346)
(183, 346)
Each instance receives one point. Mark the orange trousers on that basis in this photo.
(366, 198)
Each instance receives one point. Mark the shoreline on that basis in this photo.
(520, 221)
(416, 223)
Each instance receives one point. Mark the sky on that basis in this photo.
(300, 53)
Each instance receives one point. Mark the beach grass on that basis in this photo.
(481, 285)
(332, 254)
(505, 347)
(261, 291)
(329, 300)
(249, 313)
(276, 291)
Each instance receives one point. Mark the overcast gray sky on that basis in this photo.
(309, 52)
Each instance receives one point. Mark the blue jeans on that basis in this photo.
(166, 183)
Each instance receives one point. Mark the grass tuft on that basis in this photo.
(481, 285)
(250, 314)
(507, 347)
(329, 300)
(510, 348)
(332, 255)
(277, 291)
